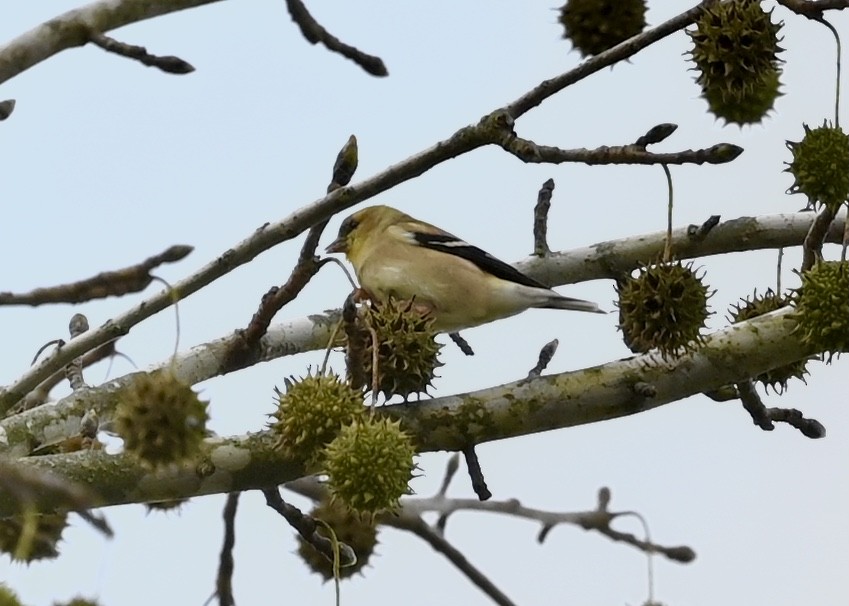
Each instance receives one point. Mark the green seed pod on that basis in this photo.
(407, 354)
(369, 465)
(664, 307)
(311, 413)
(747, 106)
(160, 419)
(820, 166)
(594, 26)
(735, 51)
(356, 531)
(8, 597)
(758, 305)
(78, 602)
(822, 308)
(44, 537)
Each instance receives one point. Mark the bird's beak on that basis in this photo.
(339, 245)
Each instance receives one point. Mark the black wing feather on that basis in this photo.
(454, 246)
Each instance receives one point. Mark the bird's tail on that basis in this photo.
(560, 302)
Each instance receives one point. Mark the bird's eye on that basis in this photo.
(348, 225)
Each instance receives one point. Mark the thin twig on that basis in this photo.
(307, 266)
(667, 247)
(168, 64)
(607, 259)
(533, 153)
(134, 278)
(812, 245)
(765, 417)
(226, 563)
(813, 9)
(460, 342)
(308, 529)
(315, 33)
(74, 370)
(440, 544)
(596, 63)
(545, 355)
(837, 77)
(355, 344)
(476, 473)
(6, 108)
(656, 134)
(699, 232)
(543, 204)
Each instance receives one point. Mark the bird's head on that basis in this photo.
(356, 231)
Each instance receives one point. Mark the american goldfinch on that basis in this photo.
(395, 255)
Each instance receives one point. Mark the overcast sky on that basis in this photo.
(105, 162)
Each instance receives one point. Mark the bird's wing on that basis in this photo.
(429, 236)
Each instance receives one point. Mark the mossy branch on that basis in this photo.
(520, 408)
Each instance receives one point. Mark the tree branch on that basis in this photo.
(530, 152)
(813, 9)
(72, 29)
(168, 64)
(105, 284)
(603, 260)
(604, 392)
(315, 33)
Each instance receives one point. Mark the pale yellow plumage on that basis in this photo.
(395, 255)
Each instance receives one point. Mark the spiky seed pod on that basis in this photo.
(594, 26)
(310, 414)
(820, 166)
(356, 531)
(758, 305)
(8, 597)
(160, 419)
(78, 602)
(735, 50)
(407, 353)
(45, 537)
(749, 106)
(369, 465)
(664, 307)
(822, 308)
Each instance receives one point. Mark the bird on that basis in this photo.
(459, 285)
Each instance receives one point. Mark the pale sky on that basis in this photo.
(106, 162)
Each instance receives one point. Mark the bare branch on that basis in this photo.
(656, 134)
(603, 260)
(765, 417)
(72, 29)
(119, 282)
(315, 33)
(545, 355)
(226, 564)
(473, 466)
(621, 51)
(812, 246)
(6, 108)
(168, 64)
(460, 342)
(308, 529)
(440, 544)
(813, 9)
(541, 218)
(699, 232)
(74, 370)
(246, 345)
(563, 400)
(528, 151)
